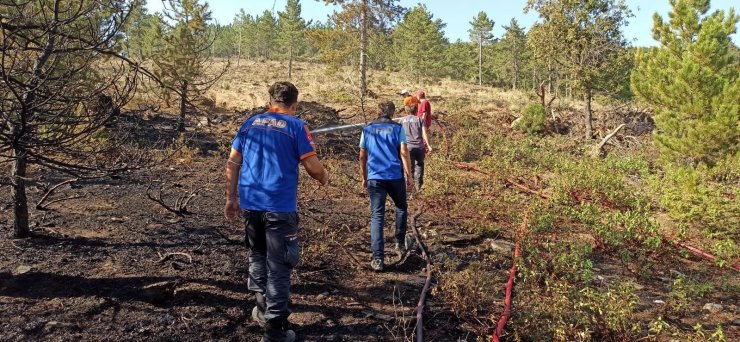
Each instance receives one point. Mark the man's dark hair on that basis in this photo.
(284, 93)
(387, 108)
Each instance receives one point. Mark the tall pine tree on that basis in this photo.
(366, 14)
(514, 47)
(419, 43)
(481, 32)
(584, 37)
(691, 81)
(185, 58)
(292, 29)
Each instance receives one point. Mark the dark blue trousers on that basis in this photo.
(378, 191)
(273, 242)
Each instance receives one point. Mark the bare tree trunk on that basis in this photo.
(549, 76)
(18, 193)
(480, 60)
(290, 63)
(183, 105)
(588, 114)
(239, 49)
(516, 75)
(363, 48)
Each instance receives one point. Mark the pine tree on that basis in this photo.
(459, 61)
(186, 56)
(584, 38)
(266, 34)
(514, 47)
(62, 79)
(691, 81)
(419, 43)
(481, 33)
(142, 34)
(292, 29)
(368, 14)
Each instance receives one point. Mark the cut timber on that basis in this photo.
(598, 149)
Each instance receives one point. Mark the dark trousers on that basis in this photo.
(378, 191)
(417, 165)
(273, 242)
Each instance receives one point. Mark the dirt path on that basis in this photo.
(114, 265)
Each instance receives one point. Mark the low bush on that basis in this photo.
(533, 120)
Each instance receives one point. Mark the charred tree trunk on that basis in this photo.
(588, 114)
(363, 47)
(18, 193)
(183, 105)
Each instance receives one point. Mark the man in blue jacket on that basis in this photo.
(385, 167)
(262, 181)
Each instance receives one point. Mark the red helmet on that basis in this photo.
(420, 94)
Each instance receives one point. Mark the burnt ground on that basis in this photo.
(86, 274)
(100, 263)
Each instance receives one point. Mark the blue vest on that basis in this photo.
(272, 146)
(382, 141)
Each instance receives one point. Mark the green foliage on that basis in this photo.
(692, 82)
(558, 303)
(514, 53)
(533, 120)
(418, 42)
(459, 61)
(683, 291)
(469, 291)
(693, 199)
(481, 30)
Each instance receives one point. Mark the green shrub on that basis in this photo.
(533, 120)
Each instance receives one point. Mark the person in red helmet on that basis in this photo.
(424, 110)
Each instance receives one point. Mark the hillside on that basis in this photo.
(600, 257)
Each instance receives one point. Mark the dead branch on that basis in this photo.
(63, 199)
(598, 149)
(525, 188)
(471, 167)
(163, 258)
(180, 208)
(422, 298)
(40, 203)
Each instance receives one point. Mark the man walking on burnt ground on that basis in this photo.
(424, 110)
(417, 142)
(262, 182)
(385, 168)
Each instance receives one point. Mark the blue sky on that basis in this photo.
(458, 13)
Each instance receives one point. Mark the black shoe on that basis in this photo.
(258, 312)
(277, 330)
(259, 317)
(377, 265)
(401, 249)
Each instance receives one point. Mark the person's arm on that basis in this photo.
(406, 161)
(363, 166)
(425, 136)
(233, 165)
(425, 110)
(315, 169)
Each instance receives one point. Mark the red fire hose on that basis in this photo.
(510, 283)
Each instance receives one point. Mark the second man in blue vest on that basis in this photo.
(385, 168)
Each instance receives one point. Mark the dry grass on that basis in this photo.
(245, 87)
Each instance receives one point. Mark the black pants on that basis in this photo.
(417, 165)
(273, 242)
